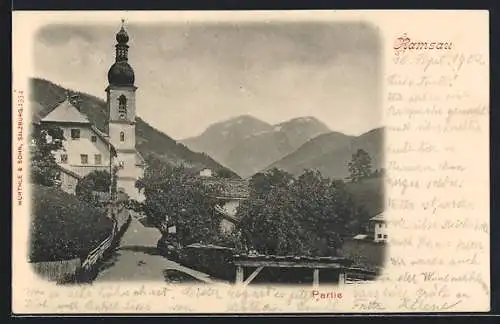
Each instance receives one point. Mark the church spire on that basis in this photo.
(121, 73)
(122, 47)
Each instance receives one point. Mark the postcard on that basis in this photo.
(268, 162)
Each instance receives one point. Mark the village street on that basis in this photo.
(137, 259)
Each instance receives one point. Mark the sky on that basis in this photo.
(191, 75)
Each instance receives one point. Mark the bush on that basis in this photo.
(89, 187)
(211, 259)
(63, 227)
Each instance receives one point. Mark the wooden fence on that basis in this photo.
(120, 216)
(59, 270)
(56, 270)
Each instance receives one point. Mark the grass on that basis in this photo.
(370, 194)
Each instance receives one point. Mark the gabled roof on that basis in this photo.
(66, 112)
(380, 218)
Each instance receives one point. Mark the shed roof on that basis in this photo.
(229, 188)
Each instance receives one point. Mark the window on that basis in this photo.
(379, 236)
(64, 158)
(84, 158)
(385, 236)
(122, 136)
(75, 133)
(97, 159)
(122, 107)
(93, 138)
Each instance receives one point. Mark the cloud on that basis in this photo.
(192, 75)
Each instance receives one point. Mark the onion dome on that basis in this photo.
(121, 73)
(122, 36)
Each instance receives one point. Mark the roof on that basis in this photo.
(229, 188)
(380, 217)
(360, 236)
(293, 258)
(139, 159)
(208, 246)
(66, 112)
(220, 211)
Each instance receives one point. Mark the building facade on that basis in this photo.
(378, 226)
(86, 148)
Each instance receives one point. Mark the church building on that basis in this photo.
(122, 111)
(86, 148)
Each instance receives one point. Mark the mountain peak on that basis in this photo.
(305, 119)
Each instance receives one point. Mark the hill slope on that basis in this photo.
(330, 153)
(219, 138)
(45, 96)
(246, 144)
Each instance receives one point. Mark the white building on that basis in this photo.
(86, 148)
(206, 173)
(379, 228)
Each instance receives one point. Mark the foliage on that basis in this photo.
(176, 197)
(114, 172)
(360, 166)
(98, 180)
(225, 173)
(307, 215)
(63, 227)
(214, 260)
(46, 139)
(378, 173)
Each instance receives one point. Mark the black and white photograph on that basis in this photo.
(241, 153)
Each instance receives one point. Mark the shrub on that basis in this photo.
(63, 227)
(211, 259)
(95, 182)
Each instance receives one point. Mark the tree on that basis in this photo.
(98, 180)
(46, 140)
(267, 218)
(308, 215)
(360, 166)
(262, 183)
(176, 197)
(225, 173)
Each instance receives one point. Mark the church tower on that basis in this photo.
(121, 106)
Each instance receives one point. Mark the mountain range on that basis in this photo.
(330, 153)
(241, 146)
(248, 145)
(45, 96)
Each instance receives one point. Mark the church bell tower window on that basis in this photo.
(122, 107)
(122, 136)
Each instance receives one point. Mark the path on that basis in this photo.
(137, 260)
